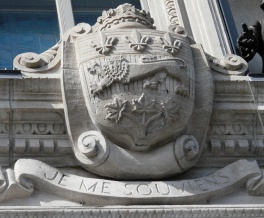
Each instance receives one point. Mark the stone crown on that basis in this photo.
(124, 16)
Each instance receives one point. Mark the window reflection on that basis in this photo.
(26, 26)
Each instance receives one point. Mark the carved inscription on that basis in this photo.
(99, 187)
(179, 188)
(102, 191)
(140, 189)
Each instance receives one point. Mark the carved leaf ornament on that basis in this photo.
(170, 110)
(137, 41)
(115, 110)
(144, 105)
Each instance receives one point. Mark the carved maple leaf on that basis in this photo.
(170, 109)
(144, 105)
(115, 110)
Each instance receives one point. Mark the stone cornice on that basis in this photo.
(136, 211)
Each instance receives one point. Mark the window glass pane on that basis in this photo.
(237, 12)
(26, 26)
(88, 11)
(246, 11)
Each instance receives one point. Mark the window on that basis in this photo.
(33, 26)
(26, 26)
(235, 13)
(230, 24)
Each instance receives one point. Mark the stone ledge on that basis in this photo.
(186, 211)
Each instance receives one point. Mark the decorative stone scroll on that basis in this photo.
(171, 10)
(231, 64)
(49, 60)
(22, 181)
(174, 26)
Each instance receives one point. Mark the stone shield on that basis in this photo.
(139, 85)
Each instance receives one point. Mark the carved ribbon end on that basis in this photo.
(231, 64)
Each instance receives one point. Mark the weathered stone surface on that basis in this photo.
(138, 105)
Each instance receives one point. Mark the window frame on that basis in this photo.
(231, 27)
(65, 15)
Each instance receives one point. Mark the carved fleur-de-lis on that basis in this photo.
(170, 44)
(115, 110)
(105, 45)
(137, 41)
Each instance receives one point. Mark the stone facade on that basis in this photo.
(120, 114)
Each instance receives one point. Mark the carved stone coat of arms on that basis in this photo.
(141, 93)
(137, 104)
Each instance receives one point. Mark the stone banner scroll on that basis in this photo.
(29, 174)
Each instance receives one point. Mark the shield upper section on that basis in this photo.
(138, 85)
